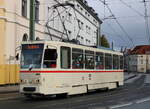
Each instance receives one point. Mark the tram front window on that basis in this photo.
(50, 57)
(31, 56)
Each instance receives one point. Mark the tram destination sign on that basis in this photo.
(32, 46)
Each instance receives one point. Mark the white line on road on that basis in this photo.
(143, 100)
(120, 105)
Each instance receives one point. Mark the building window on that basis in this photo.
(88, 29)
(25, 37)
(141, 61)
(80, 24)
(69, 17)
(69, 33)
(86, 13)
(78, 6)
(37, 11)
(24, 8)
(87, 41)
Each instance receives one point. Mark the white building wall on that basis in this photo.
(82, 25)
(141, 64)
(138, 63)
(17, 26)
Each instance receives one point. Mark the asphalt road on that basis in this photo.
(121, 98)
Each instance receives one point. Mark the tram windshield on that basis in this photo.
(31, 56)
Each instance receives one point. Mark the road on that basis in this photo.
(129, 96)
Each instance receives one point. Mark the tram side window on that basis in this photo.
(50, 58)
(65, 57)
(121, 62)
(116, 62)
(99, 60)
(89, 60)
(77, 58)
(108, 61)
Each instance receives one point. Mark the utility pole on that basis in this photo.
(112, 45)
(32, 20)
(146, 20)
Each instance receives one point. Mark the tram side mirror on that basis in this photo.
(17, 56)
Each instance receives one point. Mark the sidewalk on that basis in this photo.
(9, 89)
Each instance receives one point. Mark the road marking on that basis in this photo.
(133, 79)
(120, 105)
(143, 100)
(99, 108)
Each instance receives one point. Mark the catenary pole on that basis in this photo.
(32, 20)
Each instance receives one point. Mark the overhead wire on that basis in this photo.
(121, 27)
(129, 6)
(118, 35)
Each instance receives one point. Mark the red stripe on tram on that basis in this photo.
(71, 71)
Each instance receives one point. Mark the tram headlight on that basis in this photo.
(23, 81)
(36, 81)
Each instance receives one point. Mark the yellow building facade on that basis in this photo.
(9, 73)
(13, 26)
(2, 41)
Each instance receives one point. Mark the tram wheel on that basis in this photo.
(30, 96)
(63, 95)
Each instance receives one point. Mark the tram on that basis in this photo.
(60, 68)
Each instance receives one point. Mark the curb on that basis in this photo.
(130, 77)
(7, 92)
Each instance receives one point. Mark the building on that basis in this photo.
(138, 59)
(14, 28)
(55, 20)
(73, 20)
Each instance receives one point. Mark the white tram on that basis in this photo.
(57, 68)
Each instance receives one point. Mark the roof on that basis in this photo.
(57, 43)
(89, 9)
(142, 49)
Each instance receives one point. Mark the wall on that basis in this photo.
(72, 25)
(2, 41)
(138, 63)
(12, 28)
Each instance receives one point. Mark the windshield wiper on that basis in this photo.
(30, 67)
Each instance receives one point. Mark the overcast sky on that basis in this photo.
(131, 20)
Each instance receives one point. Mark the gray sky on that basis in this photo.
(130, 19)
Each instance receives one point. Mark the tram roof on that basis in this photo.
(107, 50)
